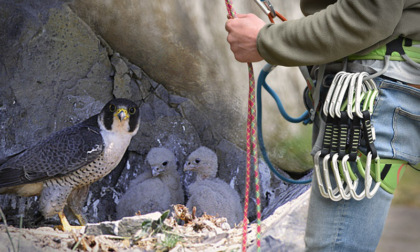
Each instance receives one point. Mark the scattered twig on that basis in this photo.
(78, 242)
(7, 229)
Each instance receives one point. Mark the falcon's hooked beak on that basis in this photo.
(156, 170)
(189, 166)
(122, 114)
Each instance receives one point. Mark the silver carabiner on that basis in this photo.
(318, 176)
(343, 91)
(330, 93)
(344, 192)
(368, 177)
(334, 194)
(266, 7)
(359, 93)
(334, 99)
(350, 184)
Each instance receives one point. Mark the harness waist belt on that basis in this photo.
(395, 49)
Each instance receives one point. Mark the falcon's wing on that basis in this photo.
(63, 152)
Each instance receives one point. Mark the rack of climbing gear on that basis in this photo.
(347, 133)
(347, 110)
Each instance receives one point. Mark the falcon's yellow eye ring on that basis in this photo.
(132, 110)
(112, 108)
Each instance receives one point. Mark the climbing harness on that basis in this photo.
(251, 150)
(345, 123)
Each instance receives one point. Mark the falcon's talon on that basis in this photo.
(81, 220)
(65, 225)
(68, 228)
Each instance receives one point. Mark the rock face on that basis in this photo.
(55, 72)
(182, 45)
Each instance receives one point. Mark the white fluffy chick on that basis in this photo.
(155, 190)
(209, 194)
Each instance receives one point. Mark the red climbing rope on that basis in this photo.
(251, 151)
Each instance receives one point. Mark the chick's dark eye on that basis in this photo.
(197, 161)
(112, 108)
(132, 110)
(165, 163)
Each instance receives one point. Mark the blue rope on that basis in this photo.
(303, 118)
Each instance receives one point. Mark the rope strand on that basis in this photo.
(251, 151)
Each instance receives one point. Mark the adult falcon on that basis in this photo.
(61, 167)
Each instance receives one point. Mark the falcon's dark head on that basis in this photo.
(120, 115)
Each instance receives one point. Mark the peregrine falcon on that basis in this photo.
(61, 167)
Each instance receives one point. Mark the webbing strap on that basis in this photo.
(328, 133)
(395, 46)
(354, 139)
(367, 133)
(397, 50)
(344, 128)
(390, 172)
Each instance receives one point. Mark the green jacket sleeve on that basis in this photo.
(341, 29)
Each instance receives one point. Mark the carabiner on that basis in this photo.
(344, 192)
(330, 93)
(334, 194)
(359, 93)
(351, 185)
(268, 9)
(340, 99)
(368, 177)
(318, 176)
